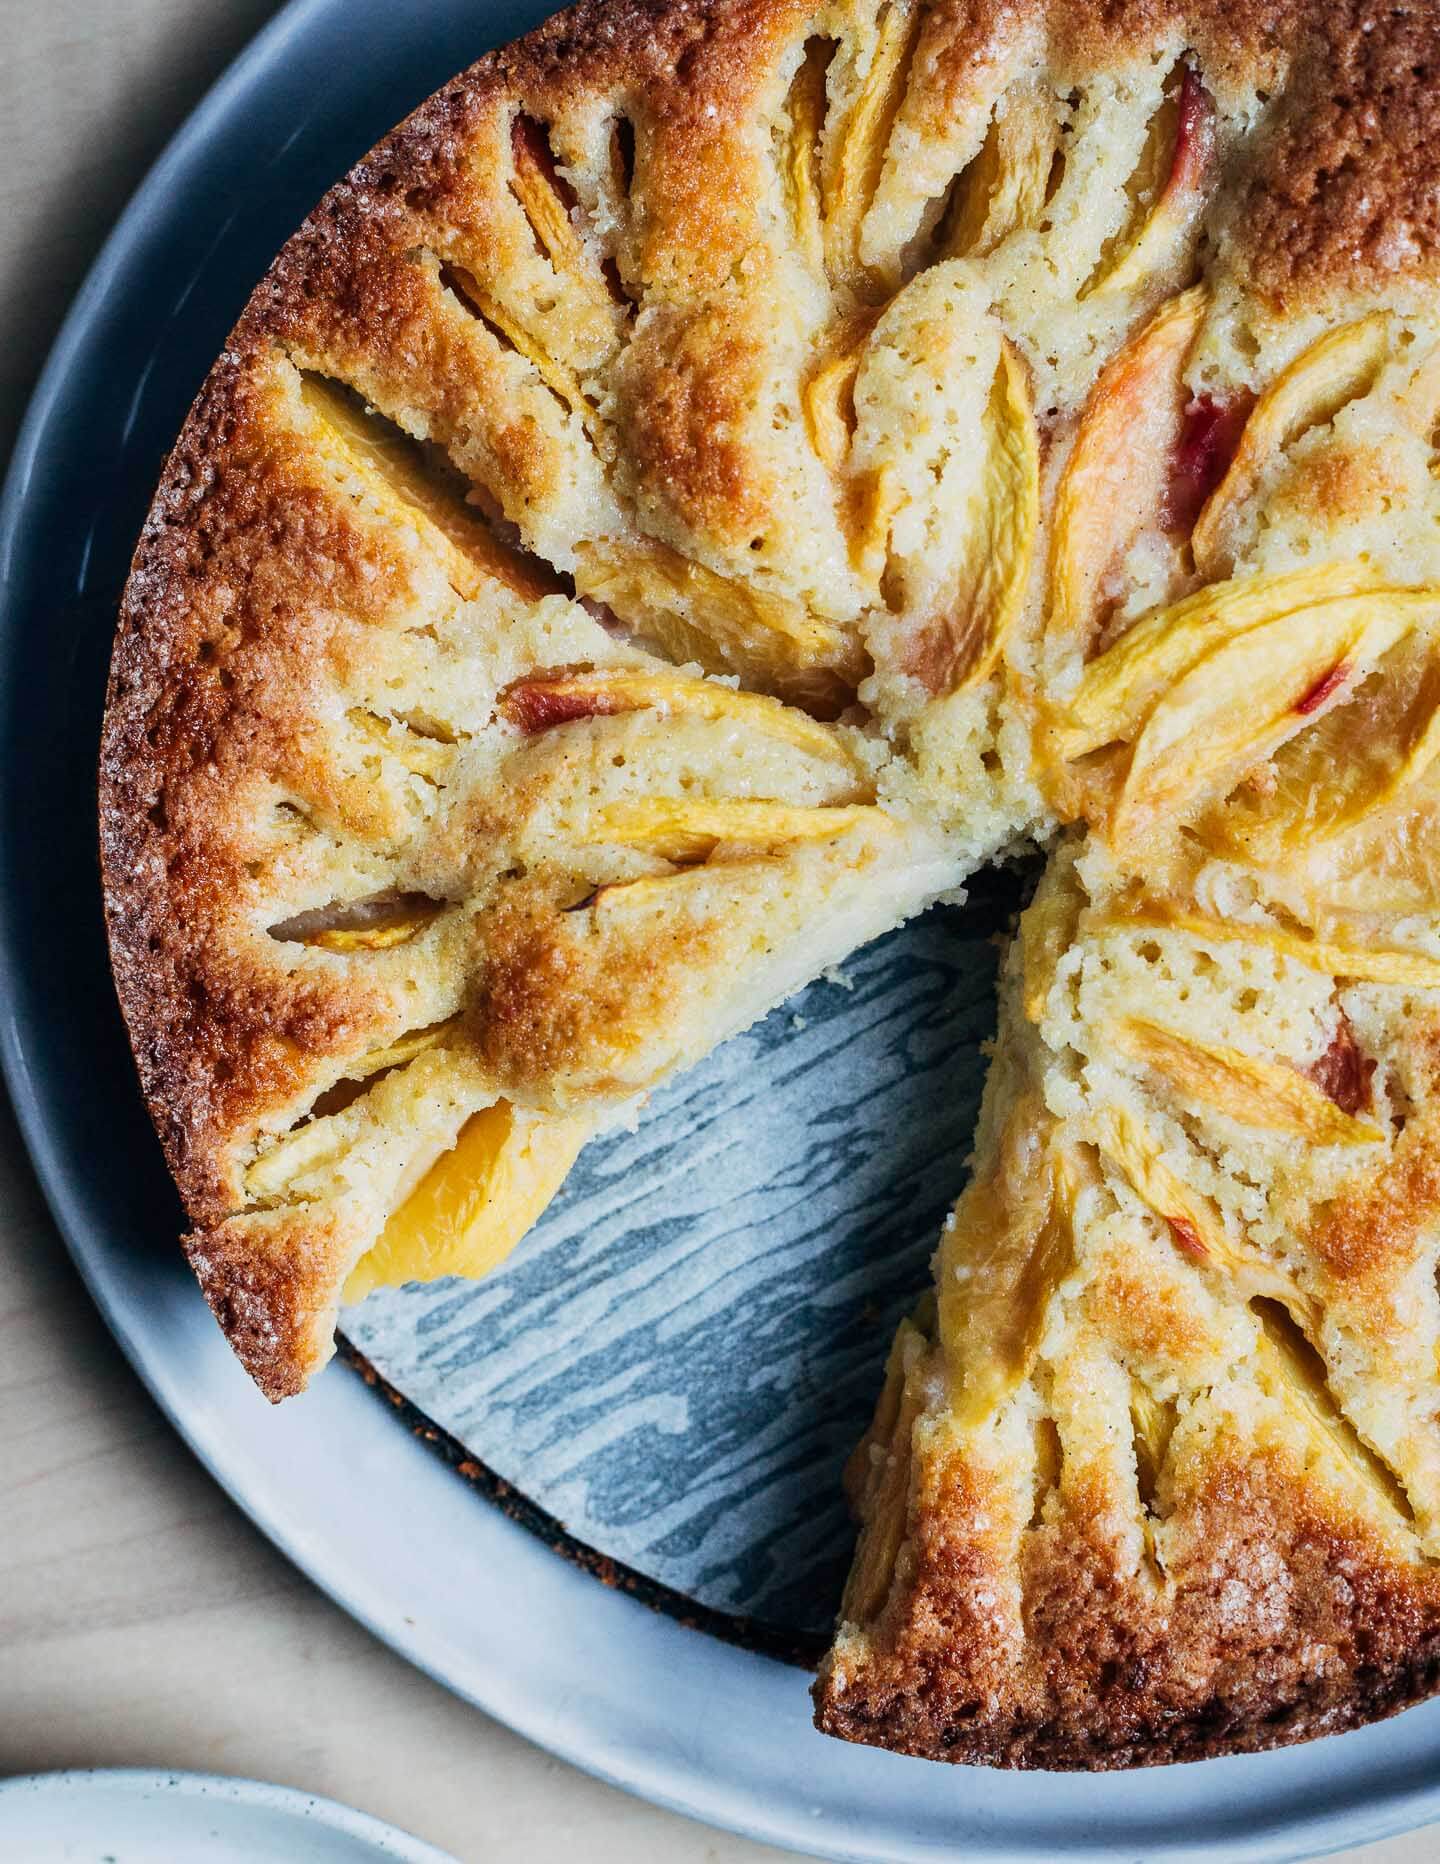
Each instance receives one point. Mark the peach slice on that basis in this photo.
(390, 466)
(562, 381)
(1269, 1095)
(549, 205)
(1344, 1071)
(1311, 391)
(1172, 174)
(476, 1201)
(1209, 437)
(1363, 963)
(382, 935)
(1153, 1421)
(1120, 688)
(960, 647)
(854, 155)
(1294, 1373)
(1355, 762)
(685, 829)
(1005, 187)
(800, 165)
(1008, 1247)
(542, 701)
(828, 396)
(1194, 1224)
(1241, 702)
(428, 757)
(880, 1484)
(693, 613)
(1115, 484)
(326, 1137)
(1388, 863)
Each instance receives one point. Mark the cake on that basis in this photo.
(718, 475)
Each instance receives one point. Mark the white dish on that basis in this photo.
(132, 1816)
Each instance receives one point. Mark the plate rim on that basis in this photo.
(236, 1789)
(677, 1783)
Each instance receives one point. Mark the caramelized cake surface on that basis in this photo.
(717, 475)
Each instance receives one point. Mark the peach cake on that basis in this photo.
(715, 476)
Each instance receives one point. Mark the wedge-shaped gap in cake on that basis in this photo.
(379, 922)
(416, 483)
(1296, 1373)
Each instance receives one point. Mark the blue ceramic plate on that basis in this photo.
(715, 1730)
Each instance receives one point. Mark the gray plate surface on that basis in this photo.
(778, 1269)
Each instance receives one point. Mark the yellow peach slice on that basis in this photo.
(562, 382)
(476, 1201)
(1115, 482)
(1245, 699)
(682, 829)
(1171, 174)
(1120, 688)
(1005, 187)
(1388, 863)
(1008, 1247)
(547, 204)
(1355, 762)
(801, 158)
(828, 396)
(1271, 1096)
(378, 936)
(1194, 1224)
(855, 154)
(1334, 370)
(883, 1481)
(541, 701)
(1363, 963)
(428, 757)
(389, 465)
(326, 1137)
(961, 646)
(1294, 1373)
(1153, 1420)
(693, 613)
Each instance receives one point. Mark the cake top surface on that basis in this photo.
(711, 479)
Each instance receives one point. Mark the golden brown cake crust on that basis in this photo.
(1285, 1620)
(1343, 192)
(265, 594)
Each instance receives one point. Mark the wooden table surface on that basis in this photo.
(143, 1621)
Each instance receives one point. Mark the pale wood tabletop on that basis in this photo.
(142, 1620)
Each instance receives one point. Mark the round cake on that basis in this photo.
(719, 474)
